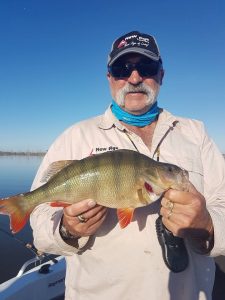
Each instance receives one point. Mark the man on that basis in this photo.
(105, 262)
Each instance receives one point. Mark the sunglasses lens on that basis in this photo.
(119, 71)
(145, 69)
(148, 69)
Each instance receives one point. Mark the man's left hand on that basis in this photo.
(185, 214)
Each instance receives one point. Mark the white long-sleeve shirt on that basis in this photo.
(127, 264)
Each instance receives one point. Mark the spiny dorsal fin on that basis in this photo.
(54, 168)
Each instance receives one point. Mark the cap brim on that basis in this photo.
(144, 52)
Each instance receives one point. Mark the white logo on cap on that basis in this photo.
(136, 41)
(140, 41)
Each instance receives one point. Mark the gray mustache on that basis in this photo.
(141, 88)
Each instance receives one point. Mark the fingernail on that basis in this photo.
(91, 203)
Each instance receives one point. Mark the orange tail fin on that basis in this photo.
(18, 215)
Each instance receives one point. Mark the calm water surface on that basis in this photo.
(16, 176)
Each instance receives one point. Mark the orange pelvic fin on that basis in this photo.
(14, 209)
(125, 216)
(60, 204)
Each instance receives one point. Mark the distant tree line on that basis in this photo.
(22, 153)
(30, 153)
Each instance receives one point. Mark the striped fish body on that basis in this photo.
(119, 179)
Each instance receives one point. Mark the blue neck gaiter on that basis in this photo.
(135, 120)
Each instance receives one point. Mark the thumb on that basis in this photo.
(192, 189)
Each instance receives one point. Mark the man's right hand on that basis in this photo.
(92, 213)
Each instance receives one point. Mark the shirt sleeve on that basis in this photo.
(45, 219)
(45, 222)
(214, 191)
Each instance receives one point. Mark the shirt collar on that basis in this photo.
(108, 120)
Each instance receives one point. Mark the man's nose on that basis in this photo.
(135, 78)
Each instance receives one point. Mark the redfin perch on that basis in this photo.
(121, 179)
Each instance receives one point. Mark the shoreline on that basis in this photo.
(31, 153)
(22, 153)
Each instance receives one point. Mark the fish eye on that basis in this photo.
(170, 169)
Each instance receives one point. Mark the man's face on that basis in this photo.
(135, 92)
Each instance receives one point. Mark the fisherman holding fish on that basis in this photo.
(134, 198)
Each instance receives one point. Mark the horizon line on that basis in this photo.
(34, 153)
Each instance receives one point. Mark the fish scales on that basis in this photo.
(120, 181)
(127, 179)
(116, 177)
(103, 182)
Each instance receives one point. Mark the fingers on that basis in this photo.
(185, 213)
(184, 197)
(95, 222)
(179, 213)
(173, 217)
(84, 218)
(168, 211)
(93, 216)
(168, 205)
(79, 207)
(177, 196)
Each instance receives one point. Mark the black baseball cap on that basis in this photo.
(134, 42)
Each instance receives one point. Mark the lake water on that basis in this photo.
(16, 176)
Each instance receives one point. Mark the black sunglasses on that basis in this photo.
(124, 69)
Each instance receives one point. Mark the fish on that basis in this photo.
(121, 179)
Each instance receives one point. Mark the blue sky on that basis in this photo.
(53, 58)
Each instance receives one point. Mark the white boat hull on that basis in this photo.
(35, 285)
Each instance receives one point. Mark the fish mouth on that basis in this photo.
(185, 180)
(180, 181)
(185, 174)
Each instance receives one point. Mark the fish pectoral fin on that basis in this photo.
(143, 196)
(59, 204)
(125, 216)
(55, 168)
